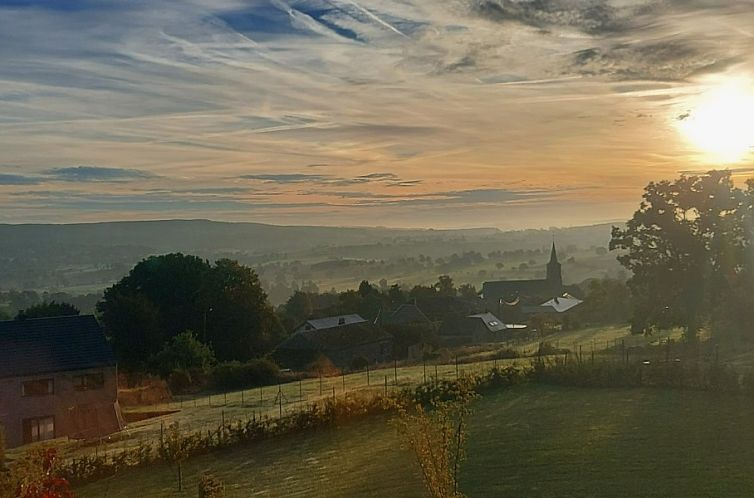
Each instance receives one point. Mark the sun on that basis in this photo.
(721, 122)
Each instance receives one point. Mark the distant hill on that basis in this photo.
(87, 257)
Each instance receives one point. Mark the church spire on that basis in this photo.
(553, 254)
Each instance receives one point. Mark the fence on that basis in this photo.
(209, 411)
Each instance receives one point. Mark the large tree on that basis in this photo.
(163, 296)
(685, 247)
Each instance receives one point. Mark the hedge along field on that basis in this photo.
(532, 441)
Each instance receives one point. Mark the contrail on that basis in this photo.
(378, 19)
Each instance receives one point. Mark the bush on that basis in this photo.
(323, 366)
(183, 352)
(236, 375)
(210, 486)
(180, 381)
(359, 363)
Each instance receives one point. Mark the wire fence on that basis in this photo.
(207, 412)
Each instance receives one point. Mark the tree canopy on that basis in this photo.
(163, 296)
(47, 310)
(689, 249)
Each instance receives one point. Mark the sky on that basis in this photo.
(401, 113)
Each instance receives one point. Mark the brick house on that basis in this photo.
(58, 378)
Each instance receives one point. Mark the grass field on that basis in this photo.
(207, 412)
(532, 441)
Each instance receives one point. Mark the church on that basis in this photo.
(512, 292)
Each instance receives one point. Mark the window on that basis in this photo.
(88, 382)
(38, 429)
(38, 387)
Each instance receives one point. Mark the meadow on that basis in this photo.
(529, 441)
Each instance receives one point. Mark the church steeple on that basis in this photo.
(554, 274)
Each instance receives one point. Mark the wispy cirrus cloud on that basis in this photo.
(458, 106)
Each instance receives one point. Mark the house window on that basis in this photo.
(38, 387)
(88, 382)
(38, 429)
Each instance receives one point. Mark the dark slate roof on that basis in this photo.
(490, 321)
(505, 289)
(334, 321)
(336, 338)
(407, 314)
(46, 345)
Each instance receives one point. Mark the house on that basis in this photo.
(329, 322)
(477, 328)
(341, 339)
(58, 378)
(414, 333)
(407, 314)
(500, 293)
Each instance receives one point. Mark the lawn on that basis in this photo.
(532, 441)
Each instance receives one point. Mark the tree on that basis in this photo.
(163, 296)
(685, 245)
(468, 291)
(445, 286)
(48, 309)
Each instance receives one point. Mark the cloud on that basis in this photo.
(659, 60)
(285, 178)
(96, 174)
(12, 179)
(590, 16)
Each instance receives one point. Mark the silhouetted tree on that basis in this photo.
(46, 310)
(685, 246)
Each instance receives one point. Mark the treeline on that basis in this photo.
(12, 302)
(690, 250)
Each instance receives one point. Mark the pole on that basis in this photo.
(424, 366)
(280, 401)
(386, 385)
(367, 373)
(456, 366)
(395, 371)
(242, 402)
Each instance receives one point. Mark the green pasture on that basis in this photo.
(531, 441)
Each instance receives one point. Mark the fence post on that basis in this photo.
(209, 400)
(395, 371)
(424, 367)
(456, 366)
(386, 385)
(333, 393)
(320, 384)
(437, 379)
(367, 374)
(623, 350)
(343, 378)
(225, 399)
(261, 399)
(300, 391)
(222, 418)
(280, 402)
(242, 400)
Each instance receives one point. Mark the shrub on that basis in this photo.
(359, 363)
(236, 375)
(182, 352)
(180, 380)
(210, 486)
(322, 365)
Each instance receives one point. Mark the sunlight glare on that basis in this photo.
(721, 125)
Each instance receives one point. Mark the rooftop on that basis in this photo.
(58, 344)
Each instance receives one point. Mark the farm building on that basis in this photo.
(341, 339)
(408, 314)
(475, 329)
(58, 378)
